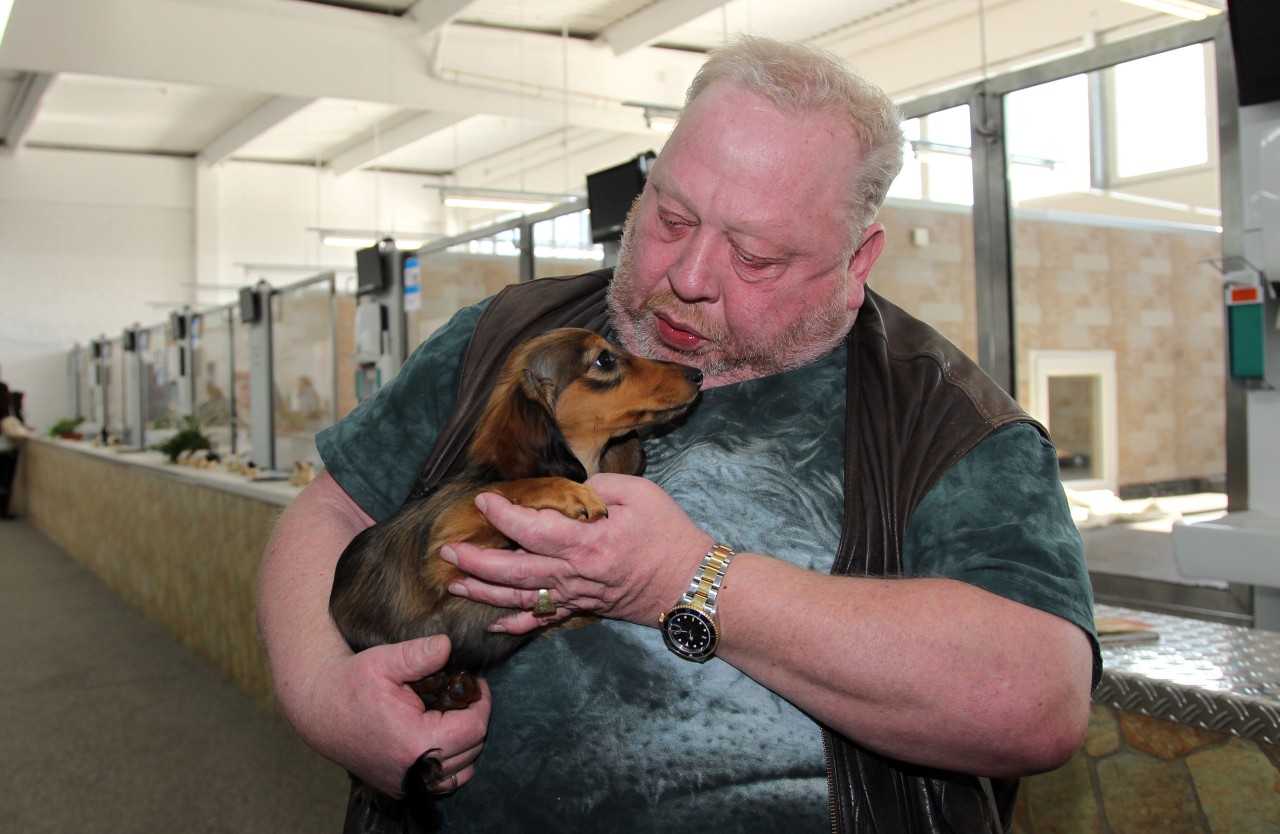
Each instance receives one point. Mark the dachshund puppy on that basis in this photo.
(566, 406)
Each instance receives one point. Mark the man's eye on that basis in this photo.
(606, 361)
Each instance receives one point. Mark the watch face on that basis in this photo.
(690, 633)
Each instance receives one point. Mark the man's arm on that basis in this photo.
(932, 671)
(354, 709)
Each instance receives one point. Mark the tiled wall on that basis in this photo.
(1151, 295)
(1139, 775)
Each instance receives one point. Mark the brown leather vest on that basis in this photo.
(915, 404)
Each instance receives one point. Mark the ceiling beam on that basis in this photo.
(22, 111)
(271, 113)
(307, 50)
(432, 15)
(652, 22)
(393, 139)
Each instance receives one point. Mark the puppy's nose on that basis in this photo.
(694, 375)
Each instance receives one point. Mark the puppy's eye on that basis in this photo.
(606, 361)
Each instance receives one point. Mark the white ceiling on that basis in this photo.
(488, 93)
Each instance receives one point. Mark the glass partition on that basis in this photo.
(302, 363)
(241, 397)
(153, 359)
(562, 246)
(116, 389)
(1118, 307)
(460, 275)
(345, 317)
(212, 376)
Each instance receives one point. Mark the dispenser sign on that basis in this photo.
(1244, 295)
(412, 284)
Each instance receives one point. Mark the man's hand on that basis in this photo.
(632, 565)
(362, 714)
(355, 709)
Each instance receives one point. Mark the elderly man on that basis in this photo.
(903, 623)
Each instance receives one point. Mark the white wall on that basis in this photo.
(89, 244)
(258, 215)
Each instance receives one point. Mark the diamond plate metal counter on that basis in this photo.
(1200, 674)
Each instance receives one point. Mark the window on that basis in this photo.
(936, 166)
(1047, 134)
(1158, 112)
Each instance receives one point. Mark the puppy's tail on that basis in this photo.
(421, 805)
(372, 812)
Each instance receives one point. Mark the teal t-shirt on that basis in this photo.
(602, 728)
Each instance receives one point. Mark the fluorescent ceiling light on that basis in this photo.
(499, 199)
(657, 117)
(1190, 9)
(661, 119)
(496, 203)
(352, 239)
(6, 6)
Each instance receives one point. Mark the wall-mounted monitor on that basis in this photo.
(373, 268)
(250, 305)
(1255, 31)
(611, 192)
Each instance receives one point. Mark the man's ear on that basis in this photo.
(861, 261)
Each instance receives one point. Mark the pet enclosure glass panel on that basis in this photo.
(152, 352)
(85, 405)
(116, 390)
(562, 246)
(927, 266)
(241, 390)
(132, 385)
(460, 275)
(211, 349)
(302, 366)
(345, 345)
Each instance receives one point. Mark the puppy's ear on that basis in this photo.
(518, 437)
(546, 450)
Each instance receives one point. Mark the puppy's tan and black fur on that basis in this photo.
(567, 405)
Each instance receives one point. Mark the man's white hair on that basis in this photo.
(800, 78)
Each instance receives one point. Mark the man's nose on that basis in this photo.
(694, 275)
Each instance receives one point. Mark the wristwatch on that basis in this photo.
(691, 629)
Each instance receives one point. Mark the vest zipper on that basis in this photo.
(829, 762)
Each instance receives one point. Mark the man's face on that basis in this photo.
(736, 258)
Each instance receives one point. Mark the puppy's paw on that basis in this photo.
(569, 498)
(443, 691)
(577, 501)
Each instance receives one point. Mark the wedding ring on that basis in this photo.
(544, 606)
(453, 783)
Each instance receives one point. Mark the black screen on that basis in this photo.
(371, 270)
(1255, 34)
(610, 194)
(250, 306)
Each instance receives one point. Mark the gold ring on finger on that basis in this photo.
(544, 606)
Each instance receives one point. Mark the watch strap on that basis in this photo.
(706, 583)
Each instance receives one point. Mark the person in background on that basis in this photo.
(12, 431)
(904, 620)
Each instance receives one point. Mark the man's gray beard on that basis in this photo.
(804, 341)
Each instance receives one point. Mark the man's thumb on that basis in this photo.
(414, 659)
